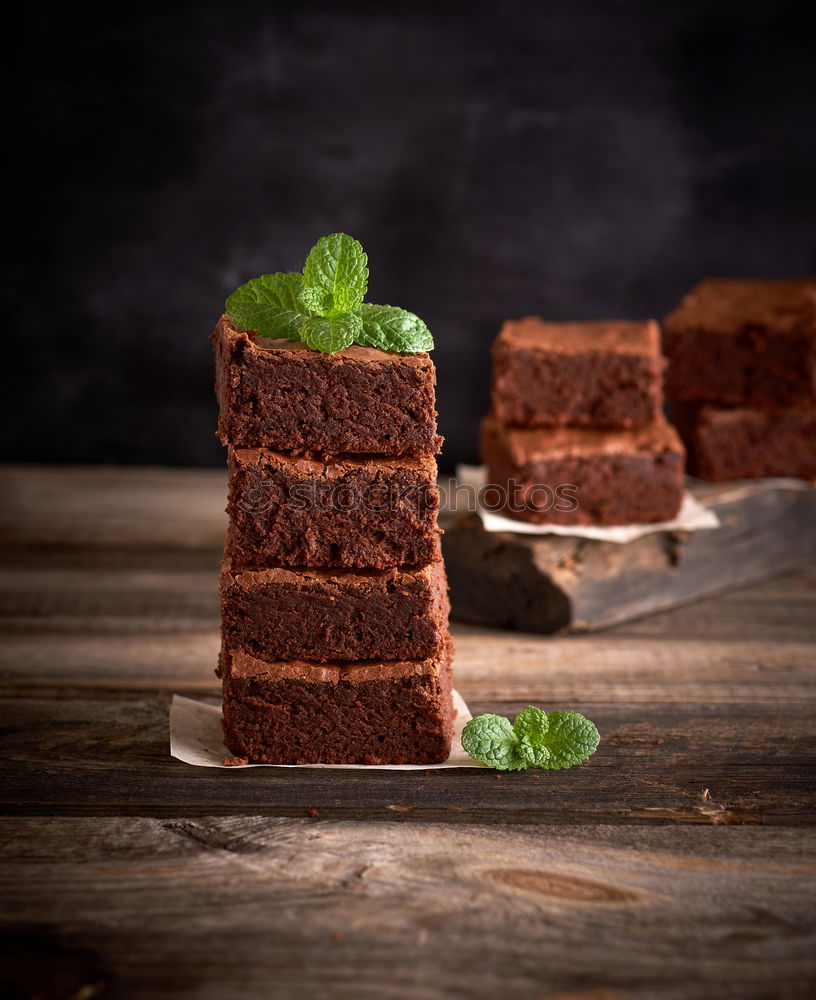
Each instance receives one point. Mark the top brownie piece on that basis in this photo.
(593, 374)
(743, 343)
(288, 397)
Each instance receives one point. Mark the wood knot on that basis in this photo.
(568, 887)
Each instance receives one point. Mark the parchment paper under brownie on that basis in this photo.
(318, 615)
(285, 396)
(350, 511)
(743, 343)
(594, 374)
(619, 477)
(307, 713)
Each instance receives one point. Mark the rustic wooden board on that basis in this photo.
(550, 583)
(236, 907)
(677, 863)
(76, 756)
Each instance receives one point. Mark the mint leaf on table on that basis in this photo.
(331, 333)
(551, 740)
(393, 329)
(270, 304)
(324, 305)
(335, 276)
(570, 739)
(490, 739)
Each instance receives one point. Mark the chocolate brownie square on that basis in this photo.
(338, 713)
(326, 614)
(345, 512)
(578, 476)
(288, 397)
(594, 374)
(743, 343)
(746, 443)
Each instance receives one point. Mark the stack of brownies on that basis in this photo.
(577, 434)
(741, 379)
(335, 645)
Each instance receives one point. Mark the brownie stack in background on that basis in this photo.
(741, 378)
(576, 433)
(335, 645)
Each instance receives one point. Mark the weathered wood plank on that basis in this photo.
(163, 597)
(53, 596)
(98, 507)
(677, 863)
(548, 583)
(231, 908)
(780, 609)
(103, 757)
(492, 667)
(123, 658)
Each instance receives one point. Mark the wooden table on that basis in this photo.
(678, 862)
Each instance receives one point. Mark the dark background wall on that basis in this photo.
(573, 159)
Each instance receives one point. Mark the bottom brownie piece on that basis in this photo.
(365, 713)
(748, 444)
(578, 476)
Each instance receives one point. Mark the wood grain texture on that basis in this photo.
(677, 863)
(490, 666)
(261, 907)
(550, 583)
(96, 507)
(79, 756)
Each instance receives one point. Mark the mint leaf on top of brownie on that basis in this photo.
(323, 307)
(331, 333)
(335, 276)
(271, 304)
(393, 329)
(550, 740)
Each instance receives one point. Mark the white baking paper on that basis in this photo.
(693, 516)
(196, 738)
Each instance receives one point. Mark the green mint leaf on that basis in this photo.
(390, 328)
(331, 333)
(491, 740)
(530, 727)
(324, 306)
(552, 740)
(335, 276)
(570, 739)
(270, 304)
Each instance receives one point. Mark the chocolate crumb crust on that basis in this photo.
(372, 713)
(343, 512)
(322, 615)
(735, 342)
(613, 477)
(287, 397)
(595, 374)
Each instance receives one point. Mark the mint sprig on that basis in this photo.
(552, 740)
(324, 305)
